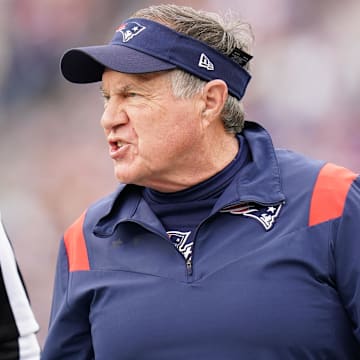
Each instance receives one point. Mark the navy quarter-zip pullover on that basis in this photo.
(275, 271)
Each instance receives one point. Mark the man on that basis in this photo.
(17, 323)
(215, 245)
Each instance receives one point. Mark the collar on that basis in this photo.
(257, 182)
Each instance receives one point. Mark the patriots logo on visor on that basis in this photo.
(266, 215)
(129, 30)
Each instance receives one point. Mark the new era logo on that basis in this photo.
(205, 62)
(129, 30)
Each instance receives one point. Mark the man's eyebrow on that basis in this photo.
(142, 79)
(102, 90)
(119, 90)
(129, 87)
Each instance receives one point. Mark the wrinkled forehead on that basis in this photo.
(154, 80)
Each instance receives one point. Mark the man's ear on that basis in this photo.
(214, 96)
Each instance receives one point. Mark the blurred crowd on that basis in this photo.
(53, 157)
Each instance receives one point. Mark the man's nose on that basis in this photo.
(113, 116)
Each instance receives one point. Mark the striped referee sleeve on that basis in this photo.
(17, 322)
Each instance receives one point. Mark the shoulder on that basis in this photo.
(76, 234)
(324, 185)
(330, 193)
(291, 162)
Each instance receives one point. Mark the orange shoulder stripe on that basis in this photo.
(75, 246)
(329, 194)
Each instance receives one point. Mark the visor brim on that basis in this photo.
(87, 64)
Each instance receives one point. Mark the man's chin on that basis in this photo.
(124, 176)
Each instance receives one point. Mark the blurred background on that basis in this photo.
(53, 156)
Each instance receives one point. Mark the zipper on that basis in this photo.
(189, 268)
(188, 262)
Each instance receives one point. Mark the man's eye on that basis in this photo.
(105, 100)
(104, 96)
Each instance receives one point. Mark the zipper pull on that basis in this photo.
(189, 266)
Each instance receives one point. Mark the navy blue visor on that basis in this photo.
(145, 46)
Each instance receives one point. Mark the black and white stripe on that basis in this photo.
(17, 322)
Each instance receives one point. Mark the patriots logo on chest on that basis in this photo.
(265, 214)
(129, 30)
(180, 240)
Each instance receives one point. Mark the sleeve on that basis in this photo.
(69, 335)
(346, 250)
(17, 322)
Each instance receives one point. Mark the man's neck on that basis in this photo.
(213, 158)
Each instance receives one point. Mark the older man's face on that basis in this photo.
(152, 135)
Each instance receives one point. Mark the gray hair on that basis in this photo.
(222, 33)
